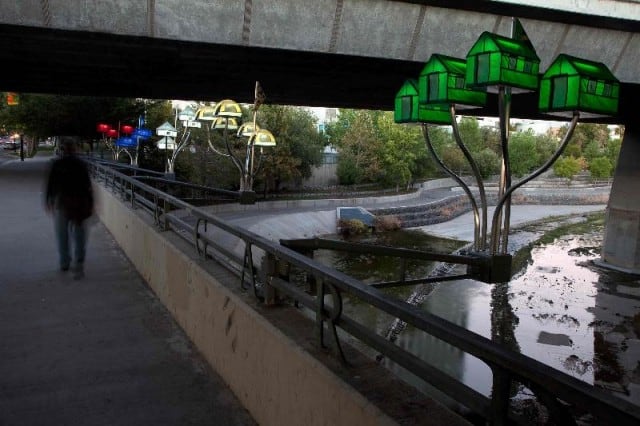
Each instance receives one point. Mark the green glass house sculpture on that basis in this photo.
(407, 108)
(496, 61)
(442, 81)
(572, 84)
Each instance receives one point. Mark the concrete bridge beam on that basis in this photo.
(621, 245)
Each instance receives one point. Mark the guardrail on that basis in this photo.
(566, 398)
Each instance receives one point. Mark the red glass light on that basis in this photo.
(112, 133)
(126, 129)
(102, 128)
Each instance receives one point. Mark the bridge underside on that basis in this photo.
(42, 60)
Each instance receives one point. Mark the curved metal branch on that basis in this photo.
(476, 173)
(454, 176)
(213, 148)
(542, 169)
(504, 109)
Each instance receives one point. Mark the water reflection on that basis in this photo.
(560, 309)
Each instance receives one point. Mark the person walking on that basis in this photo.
(69, 198)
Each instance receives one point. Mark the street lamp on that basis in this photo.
(169, 133)
(174, 140)
(225, 116)
(502, 65)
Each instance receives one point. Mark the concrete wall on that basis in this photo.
(276, 380)
(621, 245)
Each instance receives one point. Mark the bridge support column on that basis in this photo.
(621, 245)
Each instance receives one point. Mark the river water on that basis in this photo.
(560, 308)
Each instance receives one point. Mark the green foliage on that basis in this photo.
(612, 150)
(523, 153)
(299, 145)
(488, 162)
(361, 147)
(352, 227)
(402, 150)
(567, 167)
(600, 167)
(546, 146)
(42, 116)
(471, 134)
(454, 159)
(348, 173)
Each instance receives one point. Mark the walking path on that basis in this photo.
(99, 351)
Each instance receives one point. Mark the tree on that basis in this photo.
(546, 146)
(567, 167)
(454, 159)
(361, 147)
(600, 167)
(471, 134)
(402, 151)
(299, 145)
(39, 116)
(582, 135)
(612, 150)
(522, 152)
(488, 162)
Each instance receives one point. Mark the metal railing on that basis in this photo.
(566, 398)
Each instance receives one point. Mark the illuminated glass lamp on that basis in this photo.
(126, 142)
(572, 84)
(221, 123)
(496, 61)
(407, 108)
(247, 130)
(262, 137)
(442, 81)
(228, 108)
(187, 114)
(206, 113)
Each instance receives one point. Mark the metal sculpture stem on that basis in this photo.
(542, 169)
(501, 234)
(465, 187)
(477, 175)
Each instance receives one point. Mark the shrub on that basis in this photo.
(352, 227)
(600, 167)
(387, 223)
(567, 167)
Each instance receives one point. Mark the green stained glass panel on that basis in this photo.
(406, 108)
(434, 87)
(559, 96)
(483, 69)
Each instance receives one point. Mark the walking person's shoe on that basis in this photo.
(64, 268)
(78, 271)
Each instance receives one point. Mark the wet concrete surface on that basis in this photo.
(97, 351)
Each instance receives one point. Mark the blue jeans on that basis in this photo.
(66, 229)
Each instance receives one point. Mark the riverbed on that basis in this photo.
(559, 308)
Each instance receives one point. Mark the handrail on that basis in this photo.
(554, 387)
(189, 185)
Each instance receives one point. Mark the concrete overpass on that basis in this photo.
(343, 53)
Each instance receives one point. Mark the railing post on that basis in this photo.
(165, 216)
(403, 269)
(319, 312)
(500, 397)
(269, 268)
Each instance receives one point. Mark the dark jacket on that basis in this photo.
(69, 188)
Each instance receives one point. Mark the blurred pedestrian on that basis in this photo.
(70, 199)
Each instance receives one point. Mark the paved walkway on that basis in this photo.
(99, 351)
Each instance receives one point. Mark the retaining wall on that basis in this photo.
(274, 377)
